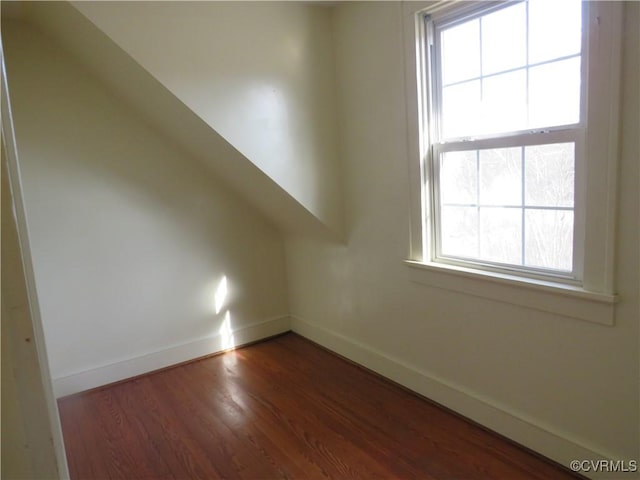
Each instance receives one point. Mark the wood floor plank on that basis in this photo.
(82, 459)
(311, 437)
(230, 452)
(268, 438)
(308, 425)
(170, 438)
(435, 426)
(128, 447)
(438, 432)
(281, 409)
(388, 440)
(443, 449)
(335, 429)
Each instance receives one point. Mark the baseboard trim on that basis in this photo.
(525, 431)
(117, 371)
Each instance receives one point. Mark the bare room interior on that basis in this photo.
(320, 239)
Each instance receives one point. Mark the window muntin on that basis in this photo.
(509, 74)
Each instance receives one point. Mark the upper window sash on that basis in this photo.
(448, 14)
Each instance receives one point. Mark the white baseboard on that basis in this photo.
(525, 431)
(121, 370)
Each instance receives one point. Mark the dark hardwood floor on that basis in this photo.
(284, 408)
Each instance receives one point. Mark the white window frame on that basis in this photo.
(589, 293)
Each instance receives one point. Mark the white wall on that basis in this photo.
(565, 387)
(130, 236)
(259, 73)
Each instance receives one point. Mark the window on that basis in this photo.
(506, 119)
(514, 133)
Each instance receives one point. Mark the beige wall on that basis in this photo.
(259, 73)
(130, 236)
(562, 386)
(15, 462)
(31, 435)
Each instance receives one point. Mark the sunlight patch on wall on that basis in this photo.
(221, 294)
(226, 332)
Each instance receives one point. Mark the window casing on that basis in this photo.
(591, 136)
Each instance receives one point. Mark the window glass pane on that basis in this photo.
(460, 108)
(549, 175)
(504, 102)
(459, 178)
(461, 52)
(501, 176)
(459, 231)
(501, 235)
(549, 239)
(555, 29)
(554, 93)
(504, 39)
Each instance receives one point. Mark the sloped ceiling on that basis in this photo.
(290, 174)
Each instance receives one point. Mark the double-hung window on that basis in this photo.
(506, 123)
(517, 107)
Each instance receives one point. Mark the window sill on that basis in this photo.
(557, 298)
